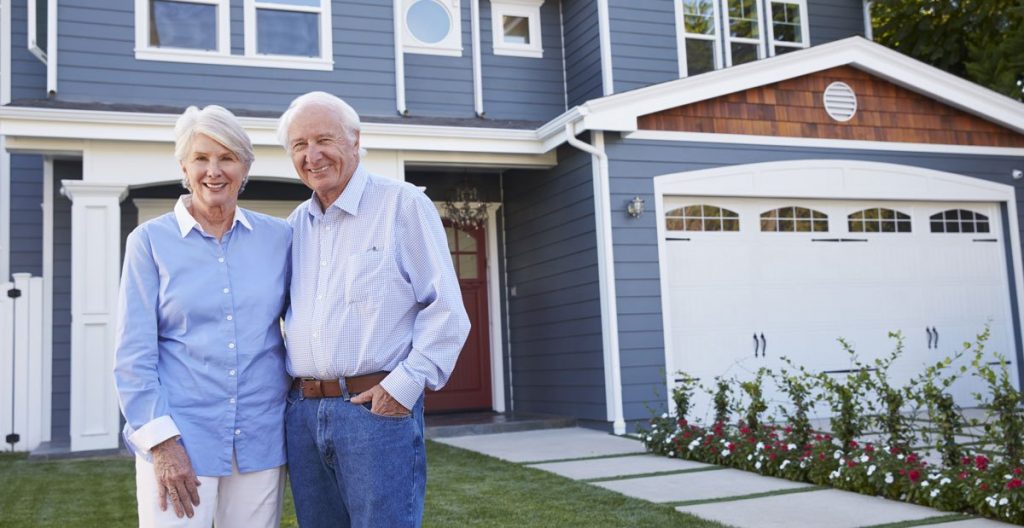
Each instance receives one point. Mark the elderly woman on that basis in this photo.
(200, 360)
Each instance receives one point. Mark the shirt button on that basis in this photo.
(231, 345)
(231, 317)
(221, 259)
(323, 262)
(227, 290)
(238, 432)
(320, 297)
(231, 401)
(231, 372)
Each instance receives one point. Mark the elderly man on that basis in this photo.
(376, 316)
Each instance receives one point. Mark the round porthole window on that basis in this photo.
(840, 101)
(428, 21)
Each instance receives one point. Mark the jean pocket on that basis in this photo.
(368, 405)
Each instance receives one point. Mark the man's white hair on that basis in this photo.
(220, 125)
(345, 115)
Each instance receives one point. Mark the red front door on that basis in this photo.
(469, 387)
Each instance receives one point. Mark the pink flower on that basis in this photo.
(854, 444)
(983, 486)
(914, 475)
(965, 460)
(869, 448)
(911, 458)
(1014, 483)
(981, 462)
(1016, 471)
(851, 463)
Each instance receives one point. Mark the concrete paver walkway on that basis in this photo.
(733, 497)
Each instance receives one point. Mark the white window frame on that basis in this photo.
(222, 55)
(326, 40)
(451, 46)
(33, 38)
(682, 35)
(770, 23)
(728, 39)
(528, 9)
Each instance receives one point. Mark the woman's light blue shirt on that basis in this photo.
(199, 349)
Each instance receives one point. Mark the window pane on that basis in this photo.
(779, 50)
(983, 227)
(710, 210)
(743, 53)
(428, 21)
(903, 227)
(730, 225)
(41, 23)
(769, 224)
(888, 227)
(182, 25)
(699, 17)
(856, 226)
(516, 28)
(700, 56)
(967, 227)
(674, 224)
(466, 241)
(820, 226)
(712, 224)
(937, 227)
(786, 22)
(803, 226)
(743, 18)
(450, 231)
(468, 267)
(287, 33)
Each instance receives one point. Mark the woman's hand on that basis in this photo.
(175, 478)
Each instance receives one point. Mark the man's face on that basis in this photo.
(324, 154)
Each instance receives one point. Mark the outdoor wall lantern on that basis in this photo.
(464, 209)
(635, 207)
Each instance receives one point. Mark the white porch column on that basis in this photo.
(95, 259)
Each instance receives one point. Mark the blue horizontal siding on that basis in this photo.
(26, 218)
(582, 51)
(830, 20)
(28, 73)
(634, 164)
(643, 36)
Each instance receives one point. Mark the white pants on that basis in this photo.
(249, 500)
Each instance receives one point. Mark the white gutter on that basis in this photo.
(399, 61)
(604, 31)
(478, 82)
(5, 158)
(51, 48)
(606, 276)
(869, 30)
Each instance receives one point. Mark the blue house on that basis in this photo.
(652, 185)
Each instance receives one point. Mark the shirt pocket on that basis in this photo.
(364, 275)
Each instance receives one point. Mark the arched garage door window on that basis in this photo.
(959, 221)
(794, 220)
(702, 217)
(879, 220)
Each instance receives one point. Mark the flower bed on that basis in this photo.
(965, 481)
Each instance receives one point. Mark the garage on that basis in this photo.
(748, 280)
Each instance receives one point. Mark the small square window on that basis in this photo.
(515, 27)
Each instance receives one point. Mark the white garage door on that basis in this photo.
(752, 280)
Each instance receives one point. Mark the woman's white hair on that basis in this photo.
(220, 125)
(345, 114)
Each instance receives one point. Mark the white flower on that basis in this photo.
(757, 466)
(899, 456)
(888, 478)
(1007, 477)
(871, 469)
(924, 483)
(664, 415)
(1004, 501)
(750, 456)
(933, 476)
(934, 493)
(726, 452)
(842, 461)
(863, 459)
(784, 464)
(833, 475)
(692, 445)
(790, 447)
(671, 453)
(944, 481)
(837, 454)
(803, 463)
(759, 446)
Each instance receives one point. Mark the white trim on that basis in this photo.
(869, 29)
(223, 23)
(604, 34)
(398, 31)
(606, 277)
(528, 9)
(831, 180)
(250, 31)
(5, 53)
(743, 139)
(51, 48)
(494, 311)
(47, 382)
(32, 37)
(449, 46)
(259, 61)
(619, 112)
(5, 211)
(478, 82)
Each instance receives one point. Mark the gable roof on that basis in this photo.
(619, 112)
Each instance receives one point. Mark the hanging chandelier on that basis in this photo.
(464, 209)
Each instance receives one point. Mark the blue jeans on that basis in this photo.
(350, 467)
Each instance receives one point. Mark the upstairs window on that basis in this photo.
(515, 26)
(712, 34)
(276, 33)
(432, 27)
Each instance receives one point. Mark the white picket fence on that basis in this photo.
(25, 370)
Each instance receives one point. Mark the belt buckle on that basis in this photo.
(302, 387)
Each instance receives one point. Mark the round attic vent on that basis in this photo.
(840, 101)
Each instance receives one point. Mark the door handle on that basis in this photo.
(936, 332)
(764, 346)
(756, 345)
(929, 332)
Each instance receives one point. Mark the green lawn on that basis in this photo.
(464, 489)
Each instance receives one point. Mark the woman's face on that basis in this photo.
(214, 173)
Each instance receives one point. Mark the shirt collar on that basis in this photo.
(350, 197)
(186, 222)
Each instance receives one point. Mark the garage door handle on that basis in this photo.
(764, 346)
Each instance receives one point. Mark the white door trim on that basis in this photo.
(827, 179)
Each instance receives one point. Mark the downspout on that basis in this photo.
(478, 83)
(604, 33)
(51, 48)
(399, 61)
(606, 276)
(869, 30)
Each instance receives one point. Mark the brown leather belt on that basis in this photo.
(313, 388)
